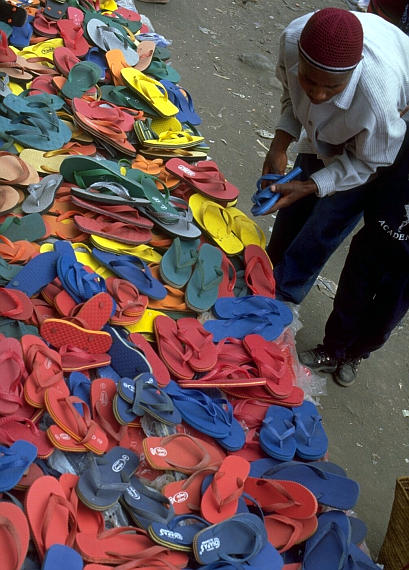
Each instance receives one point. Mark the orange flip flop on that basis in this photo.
(116, 62)
(185, 495)
(181, 452)
(87, 520)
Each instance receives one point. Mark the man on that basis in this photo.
(346, 83)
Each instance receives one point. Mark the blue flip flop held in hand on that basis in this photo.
(264, 199)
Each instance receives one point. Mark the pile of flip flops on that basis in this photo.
(150, 415)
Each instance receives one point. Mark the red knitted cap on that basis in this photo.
(332, 40)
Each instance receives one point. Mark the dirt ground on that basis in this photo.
(226, 52)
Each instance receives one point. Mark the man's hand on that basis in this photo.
(291, 192)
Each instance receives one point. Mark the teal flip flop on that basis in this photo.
(177, 263)
(203, 286)
(30, 227)
(81, 78)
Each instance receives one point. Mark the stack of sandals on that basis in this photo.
(150, 412)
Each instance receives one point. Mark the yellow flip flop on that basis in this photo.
(246, 229)
(145, 323)
(145, 252)
(217, 222)
(151, 90)
(42, 49)
(15, 88)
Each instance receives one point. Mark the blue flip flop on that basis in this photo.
(95, 55)
(146, 505)
(277, 433)
(199, 410)
(106, 478)
(310, 437)
(36, 274)
(263, 467)
(179, 532)
(329, 546)
(14, 462)
(264, 199)
(126, 359)
(134, 270)
(80, 385)
(187, 113)
(21, 35)
(237, 539)
(143, 394)
(267, 324)
(76, 280)
(229, 307)
(236, 437)
(358, 560)
(60, 557)
(268, 557)
(330, 489)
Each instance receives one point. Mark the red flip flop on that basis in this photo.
(87, 520)
(14, 536)
(109, 229)
(60, 332)
(258, 271)
(220, 500)
(94, 313)
(15, 304)
(64, 60)
(103, 391)
(44, 370)
(80, 427)
(50, 514)
(272, 363)
(284, 532)
(181, 452)
(13, 428)
(204, 352)
(226, 286)
(159, 370)
(286, 498)
(74, 358)
(185, 495)
(121, 212)
(73, 37)
(116, 545)
(12, 373)
(205, 177)
(171, 349)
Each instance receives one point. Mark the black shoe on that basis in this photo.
(319, 359)
(346, 372)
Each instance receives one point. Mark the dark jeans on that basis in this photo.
(306, 234)
(373, 291)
